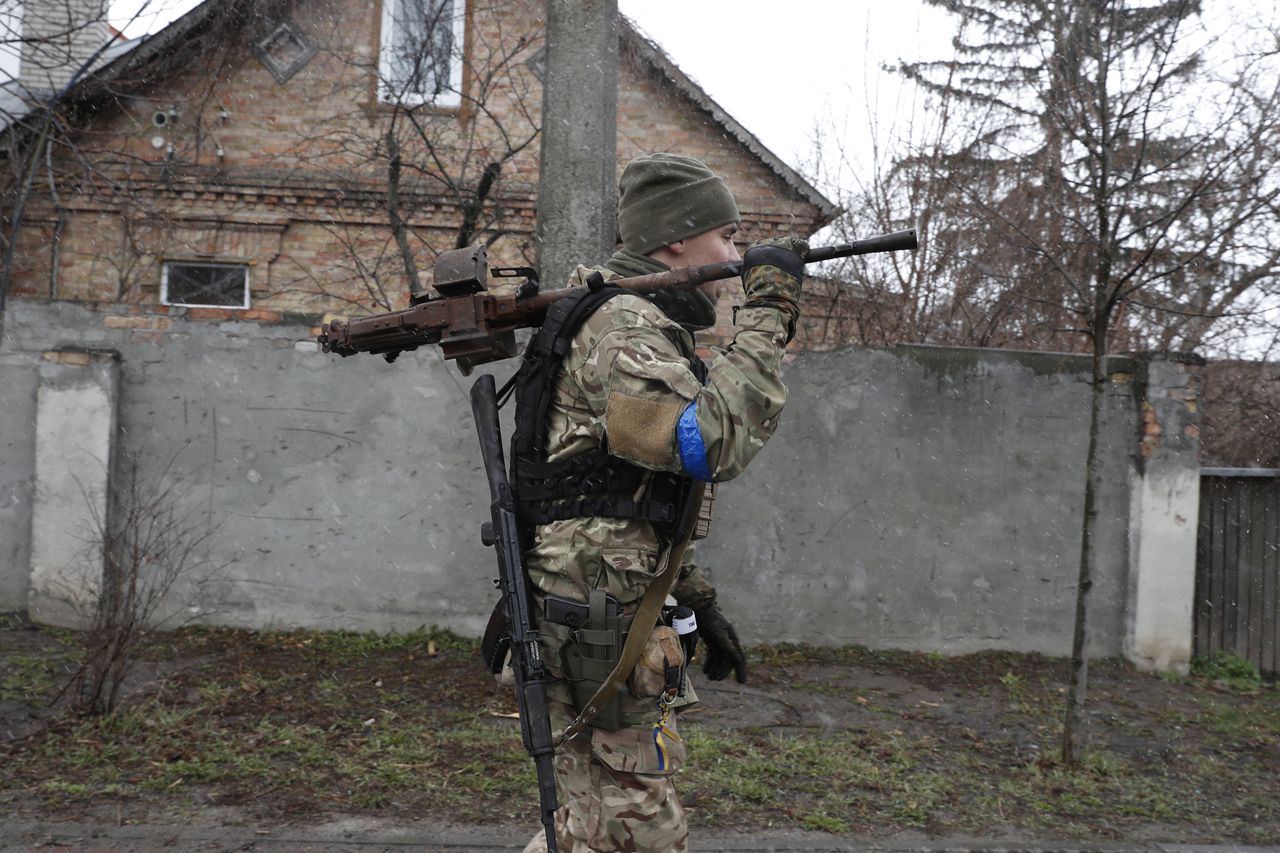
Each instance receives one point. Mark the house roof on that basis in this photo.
(18, 100)
(117, 58)
(649, 51)
(123, 57)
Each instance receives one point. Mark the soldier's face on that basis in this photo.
(711, 247)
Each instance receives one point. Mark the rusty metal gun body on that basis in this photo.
(474, 326)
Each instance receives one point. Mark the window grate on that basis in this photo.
(205, 285)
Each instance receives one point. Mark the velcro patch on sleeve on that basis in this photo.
(643, 430)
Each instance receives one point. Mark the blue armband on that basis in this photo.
(693, 452)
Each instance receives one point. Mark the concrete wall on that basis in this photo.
(918, 498)
(341, 495)
(76, 434)
(19, 384)
(929, 498)
(1165, 511)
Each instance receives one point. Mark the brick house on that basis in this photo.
(212, 192)
(239, 159)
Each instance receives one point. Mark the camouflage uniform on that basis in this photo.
(627, 377)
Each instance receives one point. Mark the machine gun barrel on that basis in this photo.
(687, 278)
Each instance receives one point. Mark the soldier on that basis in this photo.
(611, 423)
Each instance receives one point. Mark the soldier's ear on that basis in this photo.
(676, 248)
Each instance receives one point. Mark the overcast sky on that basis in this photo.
(782, 74)
(779, 73)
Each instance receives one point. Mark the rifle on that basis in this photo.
(518, 635)
(475, 327)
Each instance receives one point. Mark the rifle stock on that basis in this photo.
(473, 326)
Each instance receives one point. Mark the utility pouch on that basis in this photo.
(575, 614)
(592, 651)
(661, 665)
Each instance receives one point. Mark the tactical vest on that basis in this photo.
(592, 484)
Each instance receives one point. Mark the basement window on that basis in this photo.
(205, 285)
(420, 59)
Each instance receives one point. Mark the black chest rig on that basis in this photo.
(592, 484)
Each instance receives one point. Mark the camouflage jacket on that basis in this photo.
(629, 365)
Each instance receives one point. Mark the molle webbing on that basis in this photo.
(593, 484)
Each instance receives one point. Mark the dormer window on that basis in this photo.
(421, 54)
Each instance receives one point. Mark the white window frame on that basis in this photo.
(164, 282)
(452, 96)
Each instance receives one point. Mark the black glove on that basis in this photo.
(724, 652)
(773, 269)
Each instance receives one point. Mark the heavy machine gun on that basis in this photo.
(473, 326)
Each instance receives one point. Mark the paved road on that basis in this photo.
(360, 835)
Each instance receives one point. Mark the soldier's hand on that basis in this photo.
(724, 652)
(773, 269)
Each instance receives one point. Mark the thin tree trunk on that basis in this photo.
(475, 205)
(398, 227)
(1103, 306)
(1078, 691)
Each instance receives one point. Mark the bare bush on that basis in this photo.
(151, 538)
(1241, 423)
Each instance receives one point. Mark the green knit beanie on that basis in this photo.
(663, 198)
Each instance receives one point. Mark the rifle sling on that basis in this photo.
(646, 618)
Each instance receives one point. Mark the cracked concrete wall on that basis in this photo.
(918, 498)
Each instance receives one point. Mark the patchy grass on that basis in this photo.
(34, 663)
(29, 678)
(287, 724)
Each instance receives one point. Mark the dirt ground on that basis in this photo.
(290, 725)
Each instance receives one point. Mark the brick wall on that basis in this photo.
(290, 178)
(58, 36)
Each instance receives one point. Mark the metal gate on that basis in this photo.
(1238, 566)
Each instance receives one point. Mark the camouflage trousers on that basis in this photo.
(616, 794)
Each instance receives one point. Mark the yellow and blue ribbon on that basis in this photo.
(661, 733)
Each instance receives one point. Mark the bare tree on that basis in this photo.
(988, 163)
(1240, 427)
(1110, 176)
(446, 147)
(935, 294)
(52, 47)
